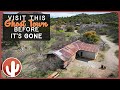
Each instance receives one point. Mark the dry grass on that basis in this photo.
(75, 70)
(100, 57)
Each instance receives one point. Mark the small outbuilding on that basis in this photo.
(77, 24)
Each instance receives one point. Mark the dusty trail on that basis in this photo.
(111, 61)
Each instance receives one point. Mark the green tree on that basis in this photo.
(90, 37)
(69, 29)
(77, 28)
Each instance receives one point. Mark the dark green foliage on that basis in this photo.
(87, 19)
(113, 33)
(69, 29)
(77, 28)
(8, 44)
(102, 31)
(117, 53)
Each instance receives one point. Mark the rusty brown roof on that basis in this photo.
(68, 51)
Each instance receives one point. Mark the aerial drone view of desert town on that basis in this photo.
(81, 45)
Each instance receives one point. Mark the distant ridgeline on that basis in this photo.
(86, 19)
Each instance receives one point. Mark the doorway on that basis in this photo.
(79, 54)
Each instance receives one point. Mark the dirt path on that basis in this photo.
(111, 61)
(76, 31)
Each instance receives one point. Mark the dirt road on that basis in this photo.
(111, 61)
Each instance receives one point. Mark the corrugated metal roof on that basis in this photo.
(68, 51)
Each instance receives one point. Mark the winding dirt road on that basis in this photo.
(111, 61)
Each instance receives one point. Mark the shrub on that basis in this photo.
(117, 53)
(105, 47)
(100, 57)
(90, 37)
(9, 44)
(69, 29)
(50, 64)
(77, 28)
(40, 46)
(57, 28)
(7, 55)
(60, 31)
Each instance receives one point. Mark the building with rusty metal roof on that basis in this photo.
(77, 49)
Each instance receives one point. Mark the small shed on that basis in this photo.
(77, 24)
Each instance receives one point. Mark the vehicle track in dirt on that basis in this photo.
(110, 61)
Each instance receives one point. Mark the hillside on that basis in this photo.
(106, 24)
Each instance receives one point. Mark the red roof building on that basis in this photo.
(68, 51)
